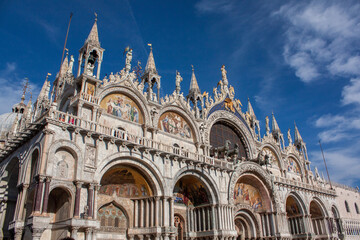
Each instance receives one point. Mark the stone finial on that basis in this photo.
(93, 37)
(150, 65)
(194, 87)
(274, 125)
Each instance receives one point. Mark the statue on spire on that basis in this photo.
(289, 137)
(267, 126)
(178, 80)
(224, 76)
(128, 59)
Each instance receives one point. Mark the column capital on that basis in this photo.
(78, 184)
(47, 131)
(88, 230)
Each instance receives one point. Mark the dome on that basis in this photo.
(6, 122)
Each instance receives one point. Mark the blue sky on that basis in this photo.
(299, 59)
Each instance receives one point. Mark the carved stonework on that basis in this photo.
(90, 156)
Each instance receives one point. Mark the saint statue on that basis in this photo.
(128, 60)
(223, 74)
(178, 80)
(289, 137)
(71, 64)
(90, 68)
(267, 125)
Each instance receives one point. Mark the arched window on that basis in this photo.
(356, 208)
(347, 206)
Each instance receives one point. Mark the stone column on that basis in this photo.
(165, 212)
(95, 203)
(39, 194)
(90, 200)
(157, 211)
(136, 220)
(213, 221)
(219, 217)
(74, 231)
(202, 213)
(36, 233)
(46, 195)
(25, 188)
(77, 199)
(146, 212)
(141, 213)
(98, 69)
(171, 200)
(94, 234)
(18, 233)
(88, 233)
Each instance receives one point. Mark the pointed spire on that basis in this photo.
(274, 125)
(298, 138)
(93, 37)
(150, 65)
(44, 92)
(26, 85)
(194, 87)
(250, 109)
(65, 65)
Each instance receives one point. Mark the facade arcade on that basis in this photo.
(110, 158)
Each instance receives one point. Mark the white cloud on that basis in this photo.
(321, 39)
(343, 163)
(338, 127)
(12, 87)
(351, 92)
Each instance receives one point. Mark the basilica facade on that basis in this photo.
(110, 158)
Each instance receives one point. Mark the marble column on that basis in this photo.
(74, 231)
(77, 199)
(90, 200)
(25, 188)
(46, 195)
(157, 211)
(39, 194)
(136, 215)
(88, 232)
(213, 221)
(141, 213)
(36, 233)
(171, 201)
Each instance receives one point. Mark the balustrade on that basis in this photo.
(132, 138)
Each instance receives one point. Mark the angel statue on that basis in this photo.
(178, 80)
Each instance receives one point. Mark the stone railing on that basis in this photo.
(136, 141)
(351, 228)
(299, 184)
(85, 97)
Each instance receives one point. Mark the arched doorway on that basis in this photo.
(255, 217)
(336, 224)
(124, 188)
(192, 197)
(317, 219)
(10, 178)
(112, 219)
(59, 210)
(246, 225)
(295, 216)
(179, 223)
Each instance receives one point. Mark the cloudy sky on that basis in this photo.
(298, 59)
